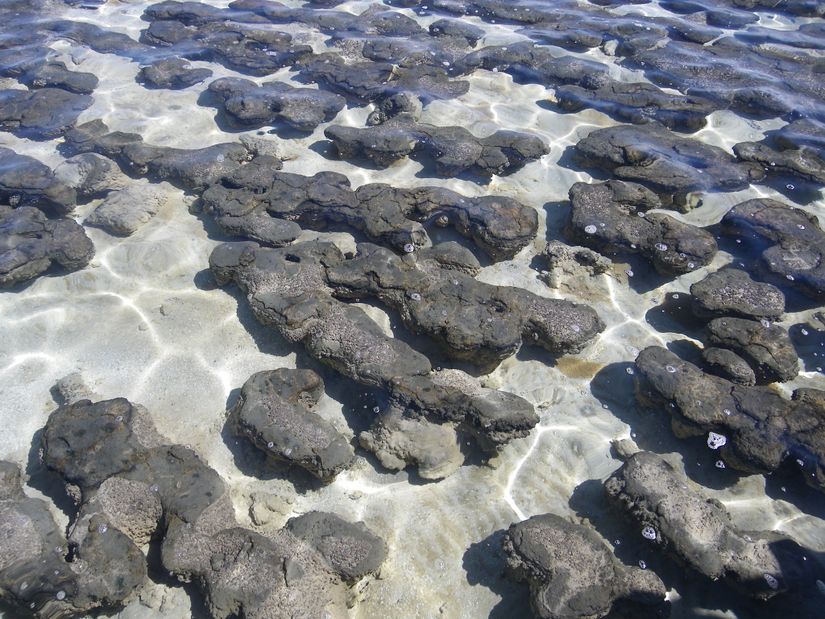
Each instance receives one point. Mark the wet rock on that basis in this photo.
(801, 133)
(573, 574)
(398, 441)
(112, 452)
(638, 103)
(34, 66)
(91, 175)
(389, 107)
(26, 181)
(36, 575)
(260, 203)
(124, 211)
(249, 104)
(172, 73)
(571, 261)
(40, 114)
(698, 531)
(669, 164)
(728, 365)
(456, 28)
(30, 244)
(470, 320)
(350, 548)
(732, 292)
(766, 347)
(762, 429)
(612, 217)
(804, 162)
(453, 150)
(287, 291)
(794, 253)
(273, 412)
(192, 170)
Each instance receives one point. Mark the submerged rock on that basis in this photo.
(732, 292)
(30, 244)
(273, 412)
(91, 175)
(671, 165)
(124, 211)
(172, 73)
(471, 320)
(698, 531)
(453, 150)
(761, 428)
(573, 574)
(612, 217)
(795, 252)
(111, 451)
(766, 347)
(26, 181)
(571, 261)
(40, 114)
(248, 104)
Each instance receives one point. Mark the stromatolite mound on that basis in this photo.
(261, 203)
(452, 150)
(797, 149)
(789, 240)
(111, 451)
(573, 574)
(287, 290)
(172, 73)
(273, 412)
(40, 114)
(566, 261)
(698, 531)
(248, 104)
(30, 244)
(732, 292)
(759, 429)
(612, 217)
(728, 365)
(765, 346)
(26, 181)
(667, 163)
(39, 577)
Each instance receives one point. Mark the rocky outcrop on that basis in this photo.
(732, 292)
(172, 73)
(452, 150)
(765, 346)
(30, 244)
(130, 482)
(728, 365)
(287, 290)
(612, 217)
(698, 531)
(470, 320)
(261, 203)
(573, 574)
(248, 104)
(274, 413)
(759, 428)
(667, 163)
(788, 240)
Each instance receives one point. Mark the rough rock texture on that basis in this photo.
(397, 441)
(273, 412)
(172, 73)
(698, 531)
(638, 103)
(766, 347)
(263, 204)
(30, 244)
(192, 170)
(804, 162)
(762, 428)
(571, 261)
(729, 365)
(248, 104)
(573, 574)
(452, 150)
(26, 181)
(611, 217)
(287, 290)
(671, 165)
(124, 211)
(37, 575)
(40, 114)
(471, 320)
(34, 65)
(795, 252)
(131, 481)
(732, 292)
(90, 175)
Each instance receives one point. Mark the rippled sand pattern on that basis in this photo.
(144, 321)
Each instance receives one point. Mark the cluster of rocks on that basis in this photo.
(132, 487)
